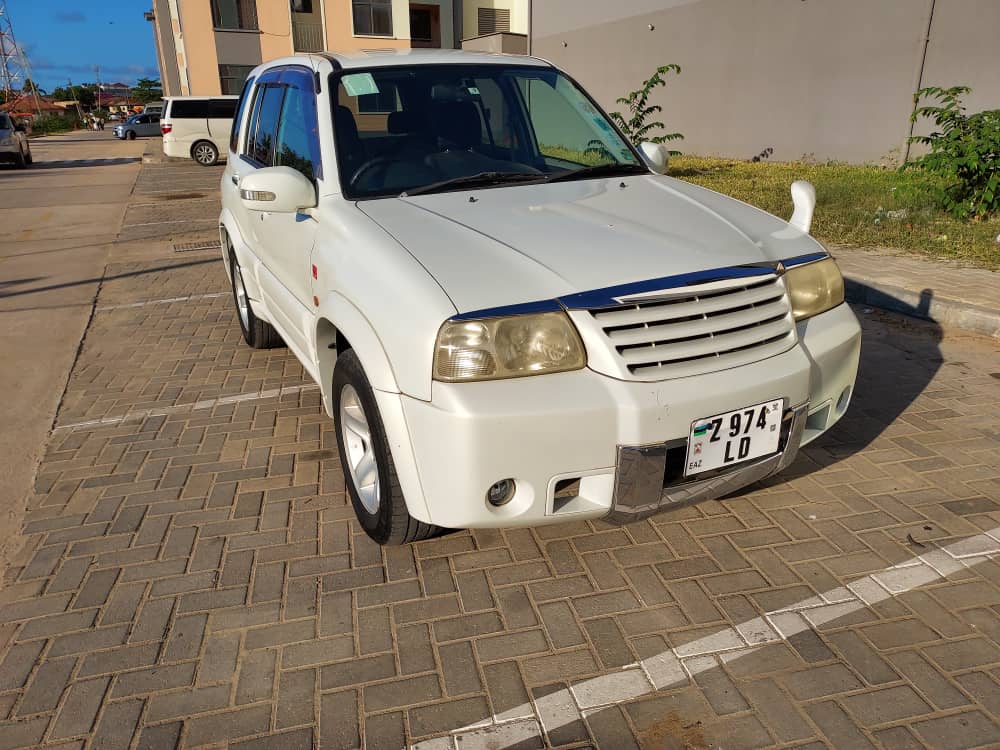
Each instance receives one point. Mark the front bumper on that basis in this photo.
(585, 445)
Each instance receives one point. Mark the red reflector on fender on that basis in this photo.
(166, 128)
(315, 272)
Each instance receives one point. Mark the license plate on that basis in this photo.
(734, 437)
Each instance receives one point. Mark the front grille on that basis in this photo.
(701, 328)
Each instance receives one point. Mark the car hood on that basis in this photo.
(512, 245)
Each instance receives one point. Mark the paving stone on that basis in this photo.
(257, 614)
(118, 725)
(228, 725)
(338, 721)
(445, 717)
(79, 709)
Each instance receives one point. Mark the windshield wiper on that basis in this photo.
(598, 170)
(474, 180)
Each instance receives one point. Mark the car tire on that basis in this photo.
(205, 153)
(29, 158)
(258, 334)
(131, 135)
(361, 440)
(22, 161)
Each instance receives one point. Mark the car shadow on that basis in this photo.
(900, 356)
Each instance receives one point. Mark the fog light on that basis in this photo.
(500, 493)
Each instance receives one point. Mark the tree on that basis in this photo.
(30, 86)
(83, 94)
(147, 90)
(635, 123)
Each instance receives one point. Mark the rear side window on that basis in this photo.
(189, 108)
(260, 145)
(234, 135)
(222, 109)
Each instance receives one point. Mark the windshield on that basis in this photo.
(431, 128)
(5, 123)
(133, 119)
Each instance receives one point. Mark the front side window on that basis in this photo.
(373, 17)
(427, 128)
(297, 142)
(5, 123)
(232, 77)
(234, 14)
(260, 145)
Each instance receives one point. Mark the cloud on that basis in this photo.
(70, 16)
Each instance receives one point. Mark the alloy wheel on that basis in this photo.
(362, 463)
(242, 304)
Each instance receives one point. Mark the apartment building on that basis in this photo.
(208, 47)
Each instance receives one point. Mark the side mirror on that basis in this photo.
(656, 156)
(804, 200)
(277, 190)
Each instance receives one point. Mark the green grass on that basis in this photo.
(853, 205)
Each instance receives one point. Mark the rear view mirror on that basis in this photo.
(277, 190)
(655, 155)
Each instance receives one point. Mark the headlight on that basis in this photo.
(494, 348)
(814, 288)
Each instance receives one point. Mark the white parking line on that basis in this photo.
(676, 666)
(164, 301)
(140, 414)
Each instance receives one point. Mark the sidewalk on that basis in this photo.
(943, 291)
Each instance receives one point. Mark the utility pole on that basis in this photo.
(97, 72)
(15, 71)
(76, 101)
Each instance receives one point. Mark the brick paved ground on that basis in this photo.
(193, 576)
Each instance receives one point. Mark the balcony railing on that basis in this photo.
(307, 37)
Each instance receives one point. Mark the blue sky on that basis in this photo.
(67, 38)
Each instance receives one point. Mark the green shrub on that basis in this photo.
(964, 153)
(51, 124)
(635, 123)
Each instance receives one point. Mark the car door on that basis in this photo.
(281, 243)
(288, 238)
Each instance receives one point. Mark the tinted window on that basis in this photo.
(261, 147)
(222, 109)
(5, 123)
(189, 108)
(298, 133)
(234, 135)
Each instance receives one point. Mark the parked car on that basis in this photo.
(138, 125)
(153, 108)
(197, 126)
(14, 146)
(514, 316)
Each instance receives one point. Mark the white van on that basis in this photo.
(197, 126)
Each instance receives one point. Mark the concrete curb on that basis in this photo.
(923, 305)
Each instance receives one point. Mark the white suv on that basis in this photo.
(197, 126)
(514, 317)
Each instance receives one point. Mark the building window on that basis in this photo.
(232, 77)
(373, 17)
(234, 14)
(493, 20)
(302, 6)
